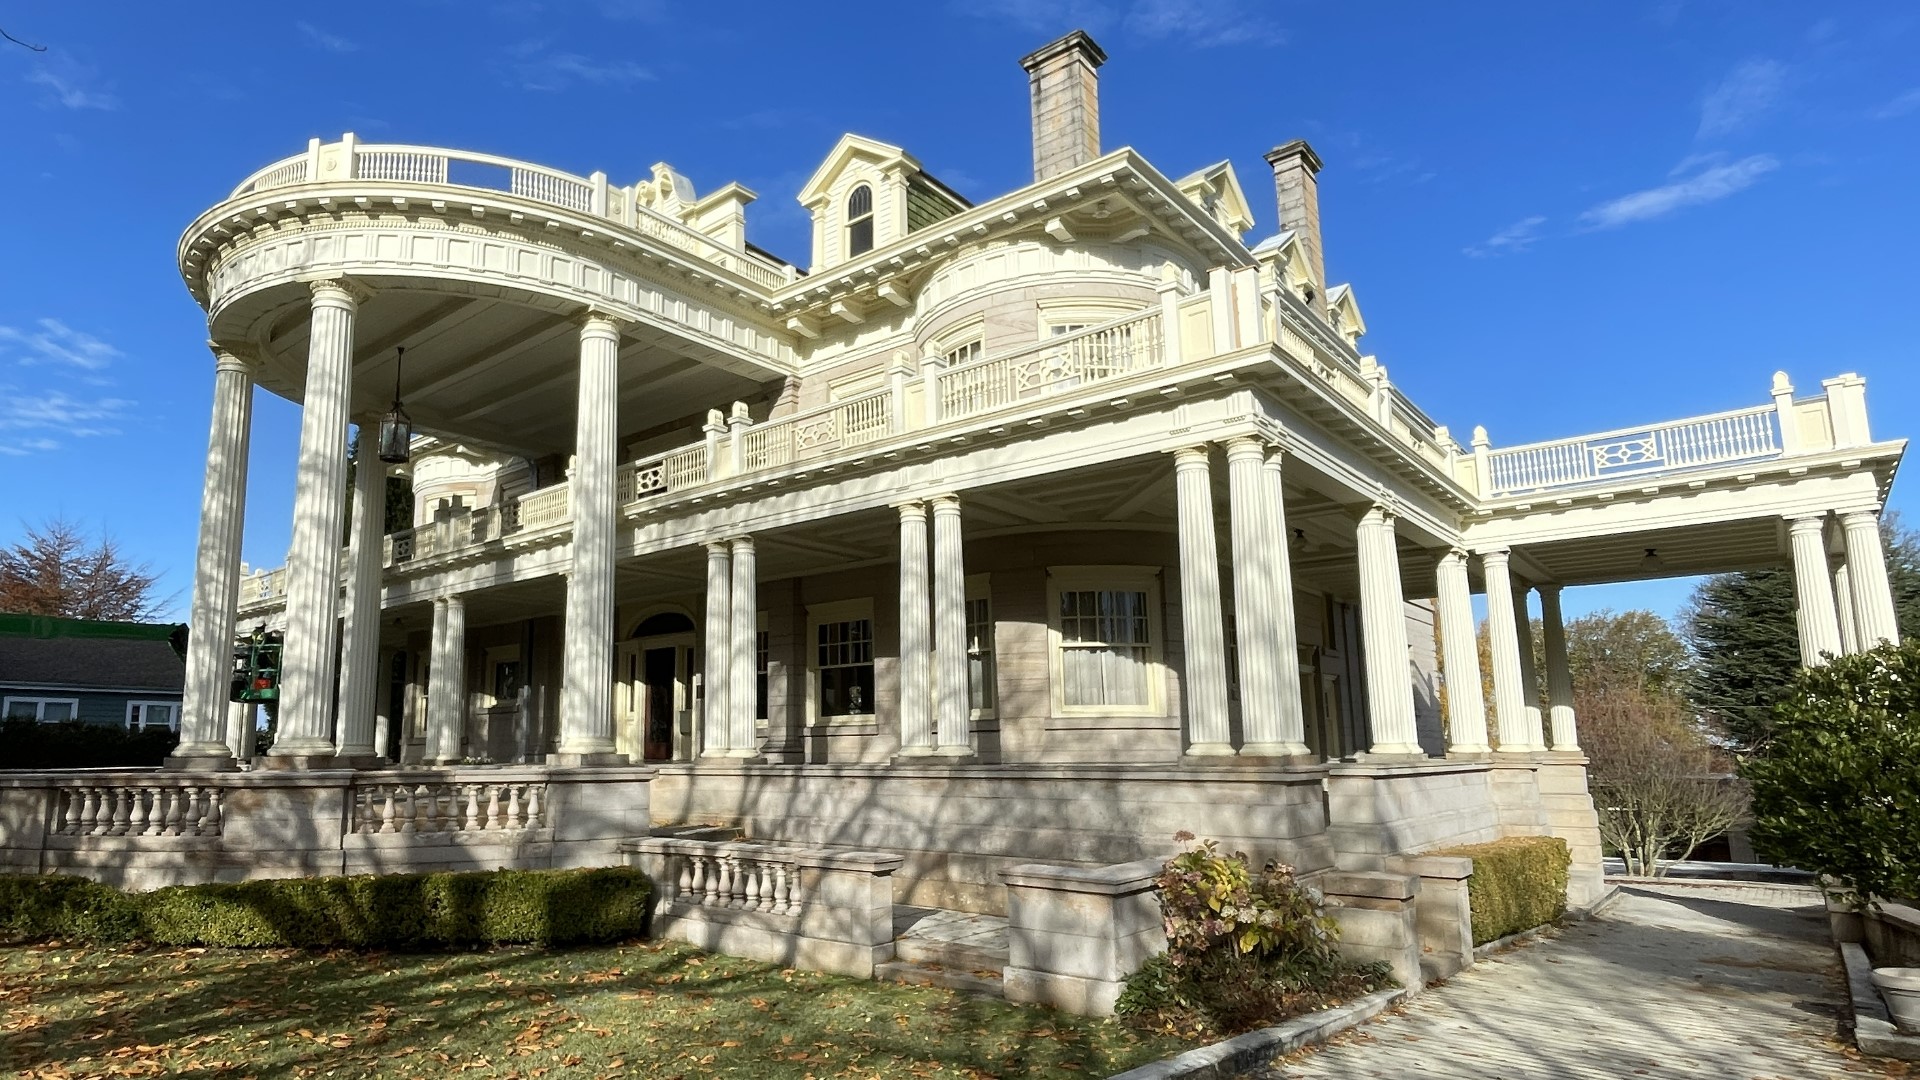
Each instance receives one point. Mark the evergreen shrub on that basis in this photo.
(75, 744)
(410, 912)
(1838, 791)
(1517, 884)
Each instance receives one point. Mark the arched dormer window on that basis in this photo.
(860, 221)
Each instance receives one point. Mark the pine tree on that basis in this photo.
(1746, 641)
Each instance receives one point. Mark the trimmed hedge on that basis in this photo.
(75, 744)
(390, 911)
(1517, 884)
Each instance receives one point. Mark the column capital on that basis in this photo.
(594, 322)
(720, 548)
(1860, 519)
(740, 543)
(1498, 555)
(1192, 457)
(1548, 589)
(911, 510)
(236, 357)
(1809, 523)
(1453, 556)
(945, 504)
(1244, 446)
(338, 292)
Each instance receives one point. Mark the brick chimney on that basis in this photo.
(1294, 167)
(1066, 103)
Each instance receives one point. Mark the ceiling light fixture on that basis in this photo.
(396, 428)
(1652, 563)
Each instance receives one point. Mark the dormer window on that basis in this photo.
(860, 221)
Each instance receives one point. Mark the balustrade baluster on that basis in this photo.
(493, 820)
(750, 892)
(194, 812)
(515, 806)
(534, 808)
(216, 809)
(89, 811)
(472, 820)
(136, 812)
(428, 800)
(727, 869)
(697, 878)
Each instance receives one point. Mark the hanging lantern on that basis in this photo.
(396, 428)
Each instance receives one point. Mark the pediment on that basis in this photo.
(849, 149)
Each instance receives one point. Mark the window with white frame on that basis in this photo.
(45, 710)
(150, 714)
(842, 659)
(980, 669)
(1105, 626)
(860, 221)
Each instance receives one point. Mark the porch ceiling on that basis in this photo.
(1713, 548)
(495, 370)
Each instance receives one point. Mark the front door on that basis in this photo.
(659, 678)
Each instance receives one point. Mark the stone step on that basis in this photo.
(912, 974)
(948, 954)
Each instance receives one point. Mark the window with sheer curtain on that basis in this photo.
(1106, 630)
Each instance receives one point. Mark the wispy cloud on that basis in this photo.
(1511, 240)
(71, 89)
(535, 67)
(1709, 185)
(1735, 102)
(1901, 105)
(325, 40)
(1199, 24)
(56, 342)
(28, 422)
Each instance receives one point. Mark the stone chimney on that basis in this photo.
(1294, 167)
(1066, 103)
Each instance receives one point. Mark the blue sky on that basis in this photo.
(1559, 218)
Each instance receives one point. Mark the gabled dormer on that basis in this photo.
(1287, 259)
(1216, 190)
(1344, 312)
(866, 195)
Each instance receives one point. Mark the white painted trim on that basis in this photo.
(40, 707)
(832, 612)
(1107, 577)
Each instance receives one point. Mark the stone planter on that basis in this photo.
(1900, 989)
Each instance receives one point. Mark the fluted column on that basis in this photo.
(1251, 529)
(1383, 637)
(447, 682)
(586, 703)
(1201, 620)
(1529, 669)
(715, 731)
(242, 729)
(1466, 705)
(1845, 607)
(916, 634)
(319, 502)
(1875, 620)
(1553, 632)
(743, 626)
(1813, 589)
(952, 708)
(1503, 643)
(216, 573)
(1291, 734)
(360, 630)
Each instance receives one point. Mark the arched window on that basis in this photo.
(860, 221)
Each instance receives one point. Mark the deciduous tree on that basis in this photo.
(57, 569)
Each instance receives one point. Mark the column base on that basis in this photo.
(210, 757)
(1509, 752)
(1393, 752)
(586, 760)
(955, 751)
(272, 762)
(1470, 753)
(914, 752)
(1276, 749)
(1210, 749)
(359, 761)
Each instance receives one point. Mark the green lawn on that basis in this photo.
(644, 1010)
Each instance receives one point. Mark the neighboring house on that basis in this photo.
(110, 673)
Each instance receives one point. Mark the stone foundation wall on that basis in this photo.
(959, 827)
(1378, 810)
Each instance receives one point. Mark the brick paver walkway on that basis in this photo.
(1670, 981)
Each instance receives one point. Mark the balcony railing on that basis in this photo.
(1742, 435)
(486, 172)
(1110, 350)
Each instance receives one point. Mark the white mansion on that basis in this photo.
(1032, 530)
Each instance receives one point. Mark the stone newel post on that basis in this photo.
(319, 502)
(216, 578)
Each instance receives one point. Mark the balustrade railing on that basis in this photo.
(136, 809)
(664, 474)
(432, 806)
(744, 876)
(839, 426)
(1056, 366)
(487, 172)
(1741, 435)
(547, 506)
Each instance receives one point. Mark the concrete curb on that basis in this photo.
(1242, 1052)
(1873, 1030)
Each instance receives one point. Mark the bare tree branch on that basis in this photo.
(57, 570)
